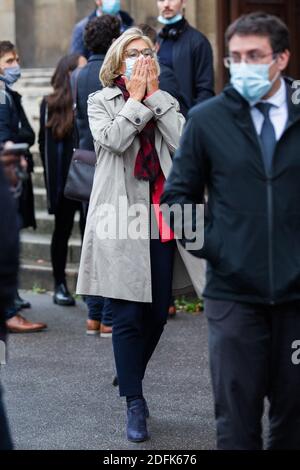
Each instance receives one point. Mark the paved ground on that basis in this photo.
(59, 393)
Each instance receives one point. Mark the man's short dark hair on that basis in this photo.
(100, 33)
(261, 24)
(5, 47)
(149, 32)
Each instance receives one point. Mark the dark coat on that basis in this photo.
(252, 229)
(77, 41)
(56, 157)
(15, 126)
(9, 243)
(168, 82)
(193, 65)
(87, 82)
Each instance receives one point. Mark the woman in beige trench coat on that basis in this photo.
(136, 128)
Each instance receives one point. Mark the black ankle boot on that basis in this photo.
(21, 303)
(136, 421)
(62, 296)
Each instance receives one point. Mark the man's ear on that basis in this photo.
(283, 60)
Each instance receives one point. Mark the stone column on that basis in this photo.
(206, 21)
(7, 20)
(53, 21)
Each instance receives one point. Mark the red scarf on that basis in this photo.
(147, 166)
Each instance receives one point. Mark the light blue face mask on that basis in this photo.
(129, 66)
(252, 81)
(168, 21)
(12, 74)
(111, 7)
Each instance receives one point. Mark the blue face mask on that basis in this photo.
(12, 74)
(129, 67)
(111, 7)
(168, 21)
(252, 80)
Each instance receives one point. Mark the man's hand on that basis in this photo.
(10, 164)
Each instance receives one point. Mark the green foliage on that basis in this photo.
(38, 290)
(184, 304)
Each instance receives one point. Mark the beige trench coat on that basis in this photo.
(119, 268)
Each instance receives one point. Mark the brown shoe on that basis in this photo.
(19, 324)
(172, 311)
(105, 331)
(92, 327)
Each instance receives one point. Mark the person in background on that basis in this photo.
(104, 7)
(243, 147)
(15, 128)
(9, 261)
(189, 54)
(186, 51)
(99, 34)
(56, 142)
(167, 78)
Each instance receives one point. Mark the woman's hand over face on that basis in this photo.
(137, 85)
(152, 77)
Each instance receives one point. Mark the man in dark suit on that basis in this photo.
(242, 148)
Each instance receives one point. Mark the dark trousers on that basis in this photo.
(252, 357)
(5, 439)
(99, 309)
(64, 221)
(137, 327)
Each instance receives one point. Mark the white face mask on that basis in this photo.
(111, 7)
(129, 66)
(252, 80)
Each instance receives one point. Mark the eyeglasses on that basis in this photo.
(254, 57)
(135, 53)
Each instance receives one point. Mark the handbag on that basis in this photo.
(80, 177)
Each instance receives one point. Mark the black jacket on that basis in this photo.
(9, 247)
(15, 126)
(87, 82)
(168, 82)
(252, 232)
(56, 157)
(193, 65)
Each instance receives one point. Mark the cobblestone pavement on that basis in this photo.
(59, 393)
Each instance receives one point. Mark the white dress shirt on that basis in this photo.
(278, 113)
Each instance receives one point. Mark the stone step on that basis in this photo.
(45, 224)
(34, 275)
(37, 177)
(36, 159)
(40, 199)
(36, 247)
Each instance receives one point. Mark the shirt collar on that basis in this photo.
(278, 99)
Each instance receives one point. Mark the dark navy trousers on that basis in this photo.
(137, 327)
(5, 439)
(253, 355)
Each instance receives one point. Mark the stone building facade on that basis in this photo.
(42, 28)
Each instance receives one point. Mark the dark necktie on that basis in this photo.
(267, 136)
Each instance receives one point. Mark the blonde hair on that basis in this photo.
(115, 55)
